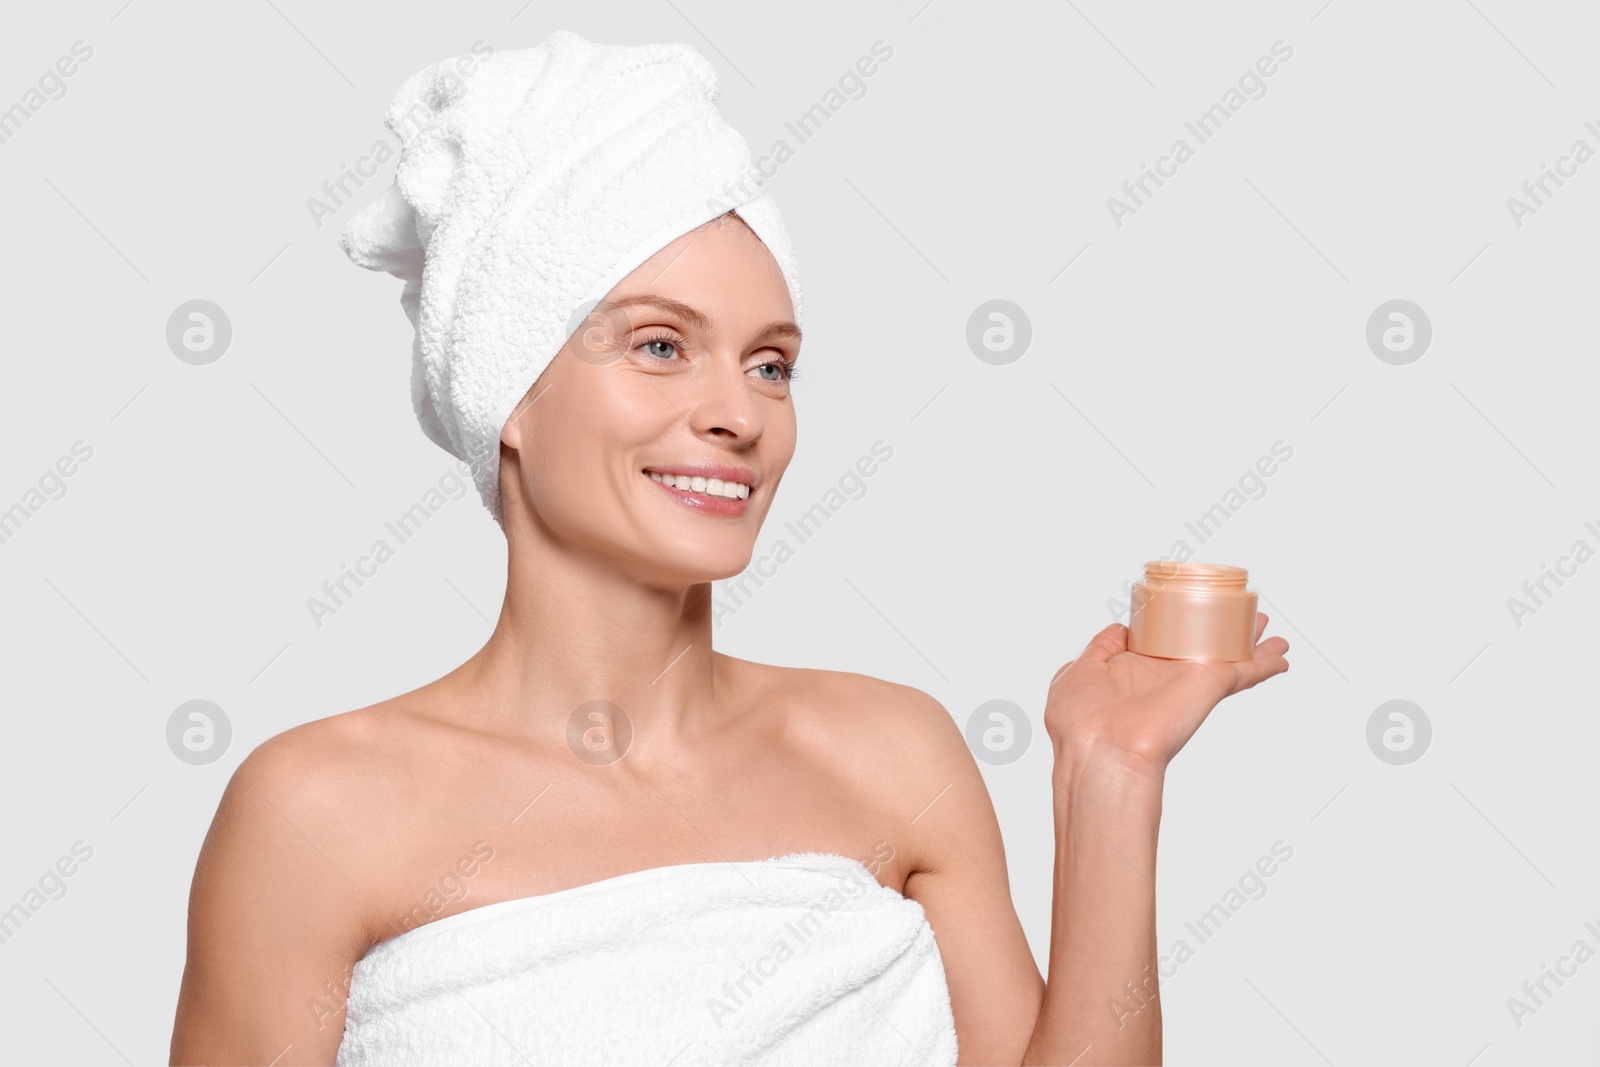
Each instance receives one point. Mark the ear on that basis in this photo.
(511, 432)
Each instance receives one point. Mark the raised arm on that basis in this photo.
(1115, 719)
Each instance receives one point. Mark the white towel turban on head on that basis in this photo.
(526, 190)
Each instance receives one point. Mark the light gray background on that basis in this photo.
(1166, 356)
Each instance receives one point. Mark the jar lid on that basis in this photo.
(1207, 573)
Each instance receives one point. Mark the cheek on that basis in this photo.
(783, 430)
(596, 423)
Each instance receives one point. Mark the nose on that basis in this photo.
(720, 403)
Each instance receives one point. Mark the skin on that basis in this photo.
(331, 836)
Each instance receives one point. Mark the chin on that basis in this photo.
(693, 568)
(720, 569)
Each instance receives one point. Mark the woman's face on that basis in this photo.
(679, 371)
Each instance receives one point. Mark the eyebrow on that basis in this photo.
(694, 316)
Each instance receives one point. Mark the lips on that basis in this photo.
(719, 471)
(713, 496)
(714, 488)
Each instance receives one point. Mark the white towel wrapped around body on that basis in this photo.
(799, 959)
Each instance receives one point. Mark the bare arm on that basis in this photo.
(1115, 721)
(1101, 1005)
(959, 877)
(273, 929)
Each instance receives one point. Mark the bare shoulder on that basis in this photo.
(915, 756)
(910, 757)
(908, 725)
(881, 717)
(896, 744)
(300, 779)
(319, 795)
(288, 820)
(316, 765)
(275, 919)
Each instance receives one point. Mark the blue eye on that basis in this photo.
(671, 340)
(675, 345)
(785, 367)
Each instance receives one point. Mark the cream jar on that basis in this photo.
(1193, 611)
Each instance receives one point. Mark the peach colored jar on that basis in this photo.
(1193, 611)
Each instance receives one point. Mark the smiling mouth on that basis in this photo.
(709, 488)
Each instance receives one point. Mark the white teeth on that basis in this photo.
(707, 486)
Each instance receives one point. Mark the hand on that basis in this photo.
(1140, 710)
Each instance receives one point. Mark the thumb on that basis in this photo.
(1107, 643)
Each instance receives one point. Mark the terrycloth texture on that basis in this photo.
(526, 189)
(801, 959)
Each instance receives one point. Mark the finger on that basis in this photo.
(1273, 646)
(1252, 672)
(1107, 643)
(1261, 624)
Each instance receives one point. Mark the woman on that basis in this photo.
(597, 763)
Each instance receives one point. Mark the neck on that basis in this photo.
(576, 628)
